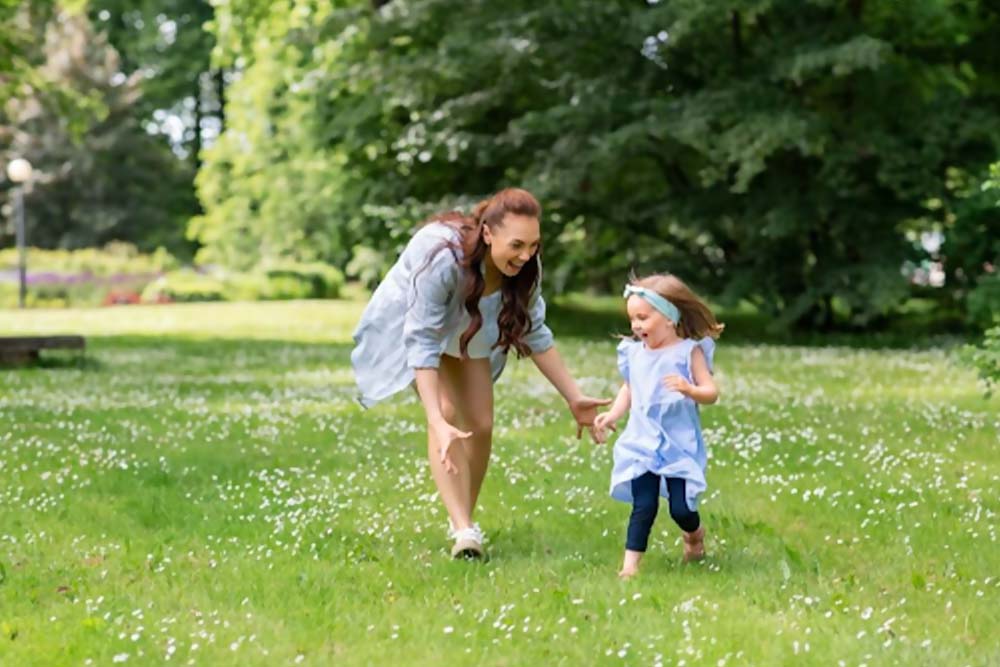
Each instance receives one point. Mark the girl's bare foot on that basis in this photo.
(630, 567)
(628, 572)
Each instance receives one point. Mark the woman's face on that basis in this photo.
(513, 242)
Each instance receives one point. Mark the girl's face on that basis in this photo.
(513, 243)
(648, 324)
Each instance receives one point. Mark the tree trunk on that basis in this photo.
(199, 113)
(220, 93)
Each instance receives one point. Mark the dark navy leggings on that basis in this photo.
(646, 502)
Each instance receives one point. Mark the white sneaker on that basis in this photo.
(452, 533)
(468, 543)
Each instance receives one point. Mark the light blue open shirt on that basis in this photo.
(408, 322)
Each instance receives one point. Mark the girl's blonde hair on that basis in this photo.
(697, 320)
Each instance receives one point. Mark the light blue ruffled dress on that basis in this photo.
(663, 435)
(417, 314)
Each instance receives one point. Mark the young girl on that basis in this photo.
(667, 368)
(464, 291)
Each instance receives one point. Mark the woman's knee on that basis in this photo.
(480, 425)
(476, 398)
(448, 411)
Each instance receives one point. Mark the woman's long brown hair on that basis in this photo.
(514, 320)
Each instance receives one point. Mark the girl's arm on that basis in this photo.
(621, 405)
(584, 408)
(704, 389)
(606, 420)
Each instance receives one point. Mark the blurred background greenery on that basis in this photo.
(826, 164)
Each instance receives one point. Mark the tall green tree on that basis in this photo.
(273, 184)
(102, 177)
(778, 150)
(21, 30)
(166, 44)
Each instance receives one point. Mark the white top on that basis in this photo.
(481, 344)
(416, 315)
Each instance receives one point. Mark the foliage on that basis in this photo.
(984, 306)
(85, 277)
(113, 259)
(277, 282)
(752, 148)
(984, 300)
(18, 62)
(367, 265)
(164, 43)
(100, 177)
(184, 285)
(319, 281)
(985, 358)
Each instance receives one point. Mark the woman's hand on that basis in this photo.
(603, 423)
(444, 434)
(584, 409)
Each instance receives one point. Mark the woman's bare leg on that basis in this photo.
(453, 488)
(466, 402)
(475, 414)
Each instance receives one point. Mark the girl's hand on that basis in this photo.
(444, 434)
(584, 410)
(602, 424)
(677, 383)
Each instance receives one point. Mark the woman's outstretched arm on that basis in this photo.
(584, 408)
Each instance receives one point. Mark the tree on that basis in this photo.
(166, 44)
(986, 304)
(106, 178)
(757, 148)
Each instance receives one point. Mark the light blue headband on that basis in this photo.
(668, 309)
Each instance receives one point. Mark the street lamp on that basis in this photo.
(19, 171)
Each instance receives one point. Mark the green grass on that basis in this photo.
(201, 489)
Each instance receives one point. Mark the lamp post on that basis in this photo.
(19, 171)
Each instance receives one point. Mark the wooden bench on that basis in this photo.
(25, 349)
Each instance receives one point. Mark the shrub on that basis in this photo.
(983, 300)
(84, 277)
(245, 286)
(367, 265)
(985, 358)
(112, 260)
(45, 297)
(322, 281)
(184, 286)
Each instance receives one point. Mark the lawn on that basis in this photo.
(202, 489)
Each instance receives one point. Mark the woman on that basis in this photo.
(464, 292)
